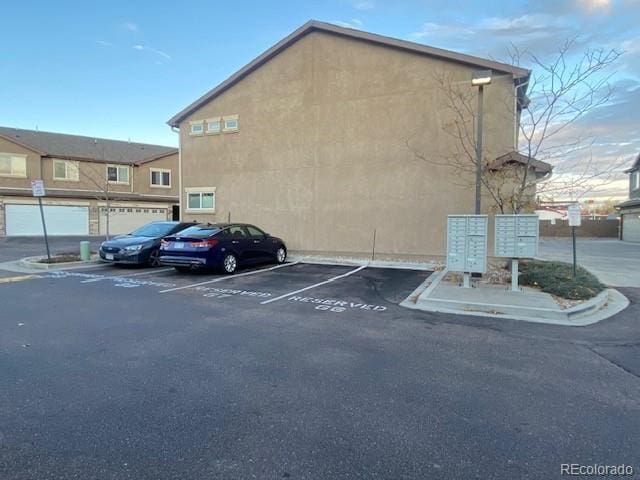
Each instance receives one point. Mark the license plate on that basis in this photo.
(178, 245)
(109, 256)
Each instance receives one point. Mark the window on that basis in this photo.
(201, 200)
(117, 174)
(66, 170)
(160, 178)
(230, 123)
(635, 180)
(197, 128)
(255, 231)
(214, 126)
(12, 165)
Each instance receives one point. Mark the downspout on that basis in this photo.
(177, 130)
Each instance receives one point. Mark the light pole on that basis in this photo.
(479, 79)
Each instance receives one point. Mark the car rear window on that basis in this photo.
(198, 232)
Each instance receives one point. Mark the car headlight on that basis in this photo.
(134, 248)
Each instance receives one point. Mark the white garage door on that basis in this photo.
(60, 220)
(631, 227)
(125, 220)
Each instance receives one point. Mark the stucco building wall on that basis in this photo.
(320, 156)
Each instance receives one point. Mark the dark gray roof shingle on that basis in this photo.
(91, 148)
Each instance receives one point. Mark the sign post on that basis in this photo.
(575, 220)
(37, 187)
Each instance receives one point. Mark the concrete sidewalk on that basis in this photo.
(498, 301)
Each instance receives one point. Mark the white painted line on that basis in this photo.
(146, 272)
(229, 277)
(333, 279)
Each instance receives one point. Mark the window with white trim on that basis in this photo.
(196, 128)
(160, 177)
(214, 125)
(118, 174)
(66, 170)
(201, 200)
(12, 165)
(230, 123)
(635, 180)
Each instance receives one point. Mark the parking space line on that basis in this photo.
(146, 272)
(333, 279)
(229, 277)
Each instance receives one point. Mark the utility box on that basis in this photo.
(467, 243)
(516, 236)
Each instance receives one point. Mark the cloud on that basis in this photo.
(144, 48)
(131, 27)
(353, 23)
(363, 4)
(594, 6)
(104, 43)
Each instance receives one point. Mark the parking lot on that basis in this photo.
(298, 371)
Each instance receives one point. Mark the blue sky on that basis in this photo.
(120, 69)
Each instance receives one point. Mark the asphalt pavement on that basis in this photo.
(300, 371)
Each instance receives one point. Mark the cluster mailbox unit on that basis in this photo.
(516, 236)
(467, 244)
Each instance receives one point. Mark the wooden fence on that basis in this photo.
(589, 228)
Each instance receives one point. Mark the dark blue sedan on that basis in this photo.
(140, 247)
(221, 245)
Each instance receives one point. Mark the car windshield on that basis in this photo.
(198, 232)
(153, 230)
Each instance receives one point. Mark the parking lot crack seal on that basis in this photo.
(615, 364)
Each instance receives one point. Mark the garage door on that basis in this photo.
(125, 220)
(631, 227)
(60, 220)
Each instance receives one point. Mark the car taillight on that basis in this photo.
(208, 243)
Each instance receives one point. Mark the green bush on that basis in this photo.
(557, 278)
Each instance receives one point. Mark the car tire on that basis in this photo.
(183, 269)
(229, 263)
(154, 258)
(281, 255)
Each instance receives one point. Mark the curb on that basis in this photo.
(604, 305)
(34, 264)
(359, 262)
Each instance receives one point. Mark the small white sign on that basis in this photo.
(37, 187)
(574, 212)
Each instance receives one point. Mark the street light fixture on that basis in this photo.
(479, 78)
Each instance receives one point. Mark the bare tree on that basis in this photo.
(559, 92)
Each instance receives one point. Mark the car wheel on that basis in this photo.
(154, 258)
(182, 269)
(229, 263)
(281, 255)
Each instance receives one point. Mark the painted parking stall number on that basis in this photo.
(336, 306)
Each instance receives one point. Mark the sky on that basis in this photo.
(121, 69)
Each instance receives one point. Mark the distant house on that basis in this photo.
(309, 141)
(84, 177)
(630, 210)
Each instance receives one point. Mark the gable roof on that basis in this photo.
(635, 166)
(77, 147)
(520, 75)
(538, 166)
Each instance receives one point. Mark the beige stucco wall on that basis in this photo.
(142, 176)
(320, 157)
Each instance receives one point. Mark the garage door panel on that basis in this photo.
(631, 227)
(125, 220)
(60, 220)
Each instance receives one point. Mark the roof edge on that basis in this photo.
(17, 142)
(314, 25)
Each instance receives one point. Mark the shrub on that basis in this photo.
(557, 278)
